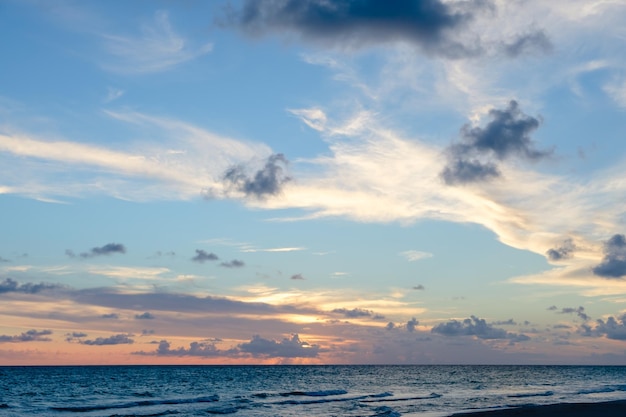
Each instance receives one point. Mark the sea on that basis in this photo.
(294, 390)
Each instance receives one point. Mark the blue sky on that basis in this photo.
(310, 182)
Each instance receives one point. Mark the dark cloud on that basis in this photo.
(118, 339)
(411, 324)
(477, 327)
(269, 180)
(108, 249)
(613, 264)
(536, 41)
(203, 256)
(355, 313)
(286, 348)
(146, 332)
(506, 135)
(4, 260)
(613, 328)
(297, 276)
(419, 287)
(10, 285)
(509, 322)
(110, 316)
(562, 252)
(202, 349)
(257, 347)
(390, 326)
(427, 24)
(235, 263)
(580, 312)
(70, 337)
(552, 308)
(29, 336)
(163, 301)
(145, 316)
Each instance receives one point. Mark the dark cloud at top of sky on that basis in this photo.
(427, 24)
(613, 328)
(235, 263)
(536, 41)
(145, 316)
(478, 327)
(297, 277)
(269, 180)
(562, 252)
(203, 256)
(580, 312)
(29, 336)
(10, 285)
(118, 339)
(108, 249)
(286, 348)
(506, 135)
(613, 264)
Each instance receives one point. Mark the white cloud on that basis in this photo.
(415, 255)
(157, 48)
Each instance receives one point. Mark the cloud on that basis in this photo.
(203, 256)
(268, 180)
(509, 322)
(427, 24)
(145, 316)
(356, 313)
(110, 316)
(415, 255)
(157, 48)
(580, 312)
(612, 328)
(297, 277)
(613, 264)
(10, 285)
(506, 135)
(201, 349)
(235, 263)
(411, 324)
(477, 327)
(118, 339)
(257, 347)
(562, 252)
(531, 42)
(287, 348)
(108, 249)
(29, 336)
(419, 287)
(70, 337)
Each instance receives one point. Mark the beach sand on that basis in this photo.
(604, 409)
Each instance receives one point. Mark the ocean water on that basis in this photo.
(297, 390)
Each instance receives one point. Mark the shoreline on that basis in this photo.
(615, 408)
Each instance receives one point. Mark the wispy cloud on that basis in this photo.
(157, 48)
(415, 255)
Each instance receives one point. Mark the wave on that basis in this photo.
(532, 394)
(602, 390)
(428, 397)
(324, 393)
(132, 404)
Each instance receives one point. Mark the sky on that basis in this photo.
(313, 182)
